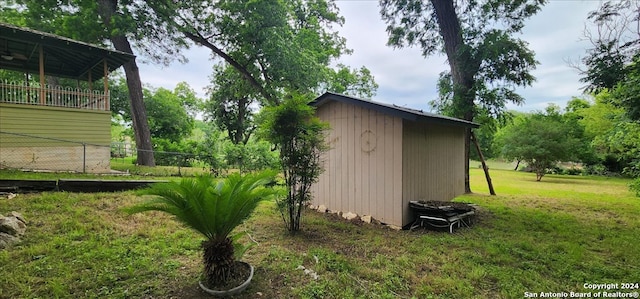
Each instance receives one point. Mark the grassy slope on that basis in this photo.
(553, 235)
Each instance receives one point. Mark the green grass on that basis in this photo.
(548, 236)
(126, 168)
(494, 164)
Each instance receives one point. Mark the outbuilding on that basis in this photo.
(382, 156)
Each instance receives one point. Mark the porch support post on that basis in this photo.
(90, 81)
(42, 81)
(106, 84)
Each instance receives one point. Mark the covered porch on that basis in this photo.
(32, 52)
(23, 92)
(50, 126)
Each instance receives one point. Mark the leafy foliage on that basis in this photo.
(213, 209)
(174, 153)
(277, 46)
(486, 61)
(167, 114)
(298, 134)
(541, 140)
(209, 148)
(493, 59)
(254, 155)
(353, 82)
(605, 66)
(627, 92)
(615, 42)
(613, 72)
(612, 137)
(230, 104)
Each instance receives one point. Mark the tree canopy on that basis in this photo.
(229, 104)
(615, 42)
(486, 61)
(123, 24)
(167, 114)
(277, 46)
(540, 139)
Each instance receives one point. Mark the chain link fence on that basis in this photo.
(30, 152)
(39, 153)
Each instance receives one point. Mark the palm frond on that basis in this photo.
(211, 207)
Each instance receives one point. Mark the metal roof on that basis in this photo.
(397, 111)
(63, 57)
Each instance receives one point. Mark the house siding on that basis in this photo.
(75, 126)
(433, 164)
(363, 167)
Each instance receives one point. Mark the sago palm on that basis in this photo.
(213, 208)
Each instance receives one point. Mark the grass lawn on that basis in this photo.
(127, 165)
(494, 164)
(125, 170)
(549, 236)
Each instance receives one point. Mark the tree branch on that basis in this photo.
(199, 39)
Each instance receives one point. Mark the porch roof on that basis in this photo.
(63, 57)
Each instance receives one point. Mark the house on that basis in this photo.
(382, 156)
(48, 127)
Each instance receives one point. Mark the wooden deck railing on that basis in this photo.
(56, 96)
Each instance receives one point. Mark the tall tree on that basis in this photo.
(168, 116)
(229, 104)
(627, 92)
(485, 60)
(109, 13)
(353, 82)
(615, 41)
(232, 100)
(277, 46)
(614, 63)
(120, 23)
(541, 140)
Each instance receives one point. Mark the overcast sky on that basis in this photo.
(407, 78)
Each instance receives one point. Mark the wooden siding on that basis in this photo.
(75, 126)
(363, 168)
(88, 126)
(433, 164)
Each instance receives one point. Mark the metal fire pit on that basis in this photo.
(441, 214)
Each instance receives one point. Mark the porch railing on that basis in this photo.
(56, 96)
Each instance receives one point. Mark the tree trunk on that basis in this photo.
(138, 110)
(463, 69)
(218, 261)
(467, 149)
(239, 137)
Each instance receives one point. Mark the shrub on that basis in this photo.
(299, 137)
(635, 186)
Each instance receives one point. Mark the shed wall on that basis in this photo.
(76, 126)
(433, 164)
(363, 167)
